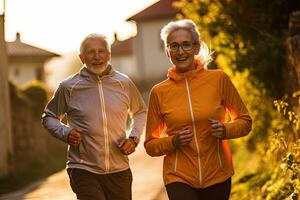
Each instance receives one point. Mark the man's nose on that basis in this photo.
(97, 55)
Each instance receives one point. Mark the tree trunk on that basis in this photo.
(292, 74)
(6, 147)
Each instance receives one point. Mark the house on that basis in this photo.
(123, 58)
(146, 49)
(26, 62)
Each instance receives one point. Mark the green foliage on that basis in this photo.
(37, 97)
(245, 34)
(16, 95)
(293, 117)
(278, 174)
(284, 182)
(34, 95)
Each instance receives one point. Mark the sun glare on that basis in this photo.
(1, 7)
(60, 25)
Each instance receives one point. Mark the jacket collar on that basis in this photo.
(84, 72)
(172, 74)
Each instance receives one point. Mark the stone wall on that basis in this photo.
(31, 141)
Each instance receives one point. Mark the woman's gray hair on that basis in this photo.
(95, 36)
(189, 25)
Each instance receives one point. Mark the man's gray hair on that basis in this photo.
(189, 25)
(95, 36)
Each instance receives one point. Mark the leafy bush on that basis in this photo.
(37, 95)
(278, 173)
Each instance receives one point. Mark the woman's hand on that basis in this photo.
(183, 136)
(217, 128)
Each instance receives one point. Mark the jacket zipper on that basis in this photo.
(106, 139)
(194, 129)
(219, 156)
(176, 160)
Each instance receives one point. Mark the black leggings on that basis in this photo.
(179, 191)
(90, 186)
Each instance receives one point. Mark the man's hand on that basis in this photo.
(217, 128)
(183, 136)
(74, 137)
(127, 146)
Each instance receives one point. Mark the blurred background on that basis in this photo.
(257, 43)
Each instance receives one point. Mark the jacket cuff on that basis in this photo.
(65, 135)
(169, 143)
(134, 133)
(229, 127)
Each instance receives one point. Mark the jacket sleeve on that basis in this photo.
(54, 112)
(156, 145)
(241, 122)
(137, 111)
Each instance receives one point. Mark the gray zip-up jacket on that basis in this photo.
(99, 107)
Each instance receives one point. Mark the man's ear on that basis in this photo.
(81, 58)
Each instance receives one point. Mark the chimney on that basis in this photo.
(116, 37)
(18, 37)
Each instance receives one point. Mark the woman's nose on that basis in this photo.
(180, 50)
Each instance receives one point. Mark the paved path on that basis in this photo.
(147, 182)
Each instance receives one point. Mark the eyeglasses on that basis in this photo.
(186, 46)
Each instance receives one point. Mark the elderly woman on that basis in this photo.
(190, 108)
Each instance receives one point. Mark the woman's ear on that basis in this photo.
(167, 53)
(197, 48)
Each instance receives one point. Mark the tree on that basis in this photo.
(245, 34)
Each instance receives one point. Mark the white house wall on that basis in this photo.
(150, 51)
(125, 64)
(21, 74)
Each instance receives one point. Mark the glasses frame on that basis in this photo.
(181, 45)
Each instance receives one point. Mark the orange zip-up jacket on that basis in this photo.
(191, 98)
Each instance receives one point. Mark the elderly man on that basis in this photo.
(97, 101)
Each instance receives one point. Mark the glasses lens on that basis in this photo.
(187, 46)
(174, 47)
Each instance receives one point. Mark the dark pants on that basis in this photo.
(179, 191)
(91, 186)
